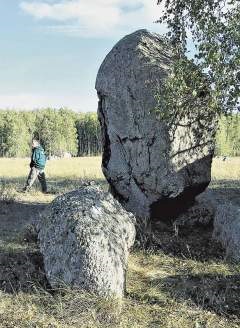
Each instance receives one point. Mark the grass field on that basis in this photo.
(186, 283)
(62, 175)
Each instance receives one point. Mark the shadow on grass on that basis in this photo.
(217, 293)
(21, 264)
(227, 190)
(22, 270)
(193, 243)
(225, 183)
(56, 185)
(15, 215)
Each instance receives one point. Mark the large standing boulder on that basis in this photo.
(85, 241)
(152, 172)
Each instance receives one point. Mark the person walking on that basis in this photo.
(37, 166)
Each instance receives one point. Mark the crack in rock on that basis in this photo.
(152, 171)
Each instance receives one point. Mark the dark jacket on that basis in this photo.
(38, 158)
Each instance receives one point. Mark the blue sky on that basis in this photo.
(51, 50)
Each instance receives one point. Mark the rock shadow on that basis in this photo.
(56, 185)
(21, 264)
(226, 190)
(22, 271)
(194, 240)
(212, 292)
(193, 243)
(15, 215)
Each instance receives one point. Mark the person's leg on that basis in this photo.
(42, 180)
(31, 178)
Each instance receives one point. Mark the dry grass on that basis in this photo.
(226, 170)
(171, 287)
(62, 175)
(81, 167)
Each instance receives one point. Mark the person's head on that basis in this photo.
(35, 143)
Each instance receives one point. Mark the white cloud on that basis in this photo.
(95, 18)
(28, 101)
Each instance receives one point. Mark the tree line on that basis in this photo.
(64, 131)
(60, 131)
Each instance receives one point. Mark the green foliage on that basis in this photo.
(56, 130)
(186, 88)
(214, 27)
(14, 134)
(228, 136)
(89, 135)
(59, 131)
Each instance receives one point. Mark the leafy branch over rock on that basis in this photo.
(214, 28)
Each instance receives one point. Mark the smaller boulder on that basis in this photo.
(200, 214)
(227, 229)
(85, 241)
(211, 210)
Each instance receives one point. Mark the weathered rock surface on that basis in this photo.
(227, 229)
(201, 214)
(85, 241)
(153, 173)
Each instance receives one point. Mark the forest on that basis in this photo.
(65, 131)
(60, 131)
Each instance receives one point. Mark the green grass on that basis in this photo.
(186, 284)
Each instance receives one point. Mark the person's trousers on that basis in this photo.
(33, 175)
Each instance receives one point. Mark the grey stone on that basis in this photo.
(227, 229)
(154, 171)
(85, 241)
(202, 213)
(212, 208)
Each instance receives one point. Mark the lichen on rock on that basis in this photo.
(85, 241)
(152, 172)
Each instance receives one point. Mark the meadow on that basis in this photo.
(186, 282)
